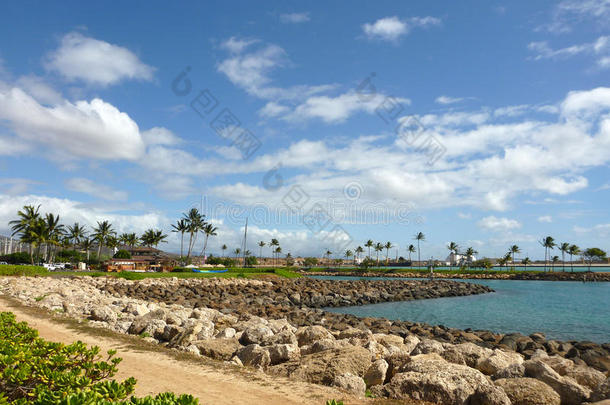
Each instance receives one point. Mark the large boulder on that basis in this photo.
(410, 342)
(428, 346)
(324, 344)
(307, 335)
(586, 376)
(193, 330)
(323, 367)
(255, 356)
(351, 383)
(512, 371)
(219, 349)
(602, 391)
(429, 377)
(256, 334)
(280, 353)
(140, 323)
(388, 340)
(528, 391)
(103, 313)
(567, 388)
(498, 361)
(376, 373)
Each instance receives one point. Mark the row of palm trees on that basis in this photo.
(46, 234)
(193, 223)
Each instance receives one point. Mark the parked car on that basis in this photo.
(3, 263)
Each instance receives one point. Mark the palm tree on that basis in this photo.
(236, 252)
(278, 251)
(369, 244)
(574, 250)
(419, 237)
(548, 243)
(181, 226)
(555, 260)
(387, 247)
(261, 245)
(87, 244)
(526, 261)
(196, 222)
(208, 230)
(453, 249)
(224, 247)
(348, 254)
(358, 251)
(112, 242)
(327, 254)
(411, 249)
(28, 219)
(514, 249)
(159, 237)
(378, 248)
(76, 233)
(274, 242)
(54, 231)
(470, 252)
(148, 237)
(129, 239)
(564, 248)
(101, 234)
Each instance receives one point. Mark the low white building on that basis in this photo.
(458, 259)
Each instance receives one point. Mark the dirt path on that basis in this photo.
(158, 369)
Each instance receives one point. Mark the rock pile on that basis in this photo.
(353, 358)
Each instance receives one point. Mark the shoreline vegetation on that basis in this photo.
(277, 326)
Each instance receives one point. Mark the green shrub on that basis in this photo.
(16, 258)
(122, 254)
(334, 402)
(34, 371)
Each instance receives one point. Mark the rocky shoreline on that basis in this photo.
(548, 276)
(277, 326)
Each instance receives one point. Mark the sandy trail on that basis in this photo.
(157, 370)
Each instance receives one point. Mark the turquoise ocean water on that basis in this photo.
(563, 310)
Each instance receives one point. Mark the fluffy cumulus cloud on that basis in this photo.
(492, 223)
(392, 28)
(95, 189)
(96, 62)
(71, 211)
(545, 219)
(486, 164)
(84, 129)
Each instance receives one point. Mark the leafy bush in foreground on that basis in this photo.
(34, 371)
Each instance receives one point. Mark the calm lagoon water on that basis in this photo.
(563, 310)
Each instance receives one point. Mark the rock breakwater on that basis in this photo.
(293, 337)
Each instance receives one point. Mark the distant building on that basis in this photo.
(458, 259)
(143, 258)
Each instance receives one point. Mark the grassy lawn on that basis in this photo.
(12, 270)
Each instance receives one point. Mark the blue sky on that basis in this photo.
(483, 123)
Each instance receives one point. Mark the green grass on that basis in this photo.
(12, 270)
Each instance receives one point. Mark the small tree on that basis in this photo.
(594, 255)
(122, 254)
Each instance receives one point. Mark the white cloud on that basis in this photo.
(87, 186)
(237, 45)
(599, 230)
(463, 215)
(392, 28)
(492, 223)
(586, 102)
(97, 62)
(39, 90)
(545, 219)
(599, 48)
(448, 100)
(71, 211)
(337, 109)
(82, 129)
(569, 12)
(160, 136)
(273, 109)
(294, 18)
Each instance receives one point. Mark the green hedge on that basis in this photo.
(34, 371)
